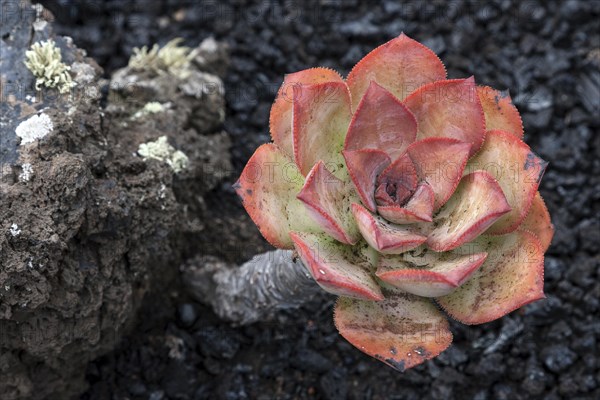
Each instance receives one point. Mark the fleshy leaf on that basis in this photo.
(400, 66)
(327, 199)
(476, 204)
(402, 331)
(402, 215)
(336, 267)
(440, 162)
(321, 115)
(418, 209)
(364, 166)
(381, 122)
(449, 109)
(538, 222)
(518, 171)
(500, 112)
(397, 182)
(511, 276)
(429, 274)
(268, 186)
(280, 120)
(383, 236)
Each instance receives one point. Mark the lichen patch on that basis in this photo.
(153, 107)
(34, 128)
(14, 230)
(162, 151)
(45, 62)
(26, 172)
(172, 59)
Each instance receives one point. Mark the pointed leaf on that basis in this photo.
(321, 115)
(402, 331)
(449, 109)
(337, 268)
(518, 171)
(364, 166)
(429, 274)
(280, 120)
(500, 112)
(538, 222)
(418, 209)
(476, 204)
(383, 236)
(327, 199)
(397, 182)
(268, 187)
(511, 276)
(440, 162)
(400, 65)
(381, 122)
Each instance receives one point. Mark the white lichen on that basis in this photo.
(162, 151)
(152, 107)
(14, 230)
(34, 128)
(26, 172)
(45, 62)
(171, 58)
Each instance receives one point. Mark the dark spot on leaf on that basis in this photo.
(249, 191)
(543, 166)
(393, 350)
(497, 101)
(399, 365)
(421, 352)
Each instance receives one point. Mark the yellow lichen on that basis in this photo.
(152, 107)
(45, 62)
(162, 151)
(171, 58)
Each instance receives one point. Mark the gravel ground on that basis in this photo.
(547, 53)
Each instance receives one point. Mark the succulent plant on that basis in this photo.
(402, 193)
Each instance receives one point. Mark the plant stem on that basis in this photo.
(252, 292)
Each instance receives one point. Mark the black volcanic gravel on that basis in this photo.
(546, 52)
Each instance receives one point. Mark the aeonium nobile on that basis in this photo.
(406, 194)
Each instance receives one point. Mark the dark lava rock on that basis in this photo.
(589, 90)
(535, 378)
(232, 388)
(309, 360)
(187, 314)
(333, 385)
(137, 389)
(488, 368)
(178, 378)
(504, 391)
(558, 357)
(454, 356)
(221, 343)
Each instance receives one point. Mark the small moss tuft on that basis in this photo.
(45, 62)
(171, 59)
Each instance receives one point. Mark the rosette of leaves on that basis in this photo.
(404, 193)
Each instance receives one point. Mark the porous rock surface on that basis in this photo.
(87, 227)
